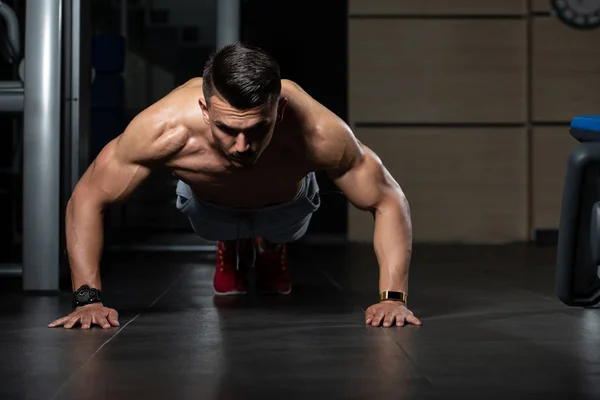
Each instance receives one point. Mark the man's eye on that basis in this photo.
(228, 131)
(257, 130)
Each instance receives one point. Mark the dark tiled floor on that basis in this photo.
(492, 328)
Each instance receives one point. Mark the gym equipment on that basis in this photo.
(11, 46)
(11, 101)
(228, 22)
(11, 92)
(53, 102)
(108, 90)
(578, 253)
(108, 53)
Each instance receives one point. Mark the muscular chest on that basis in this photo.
(275, 178)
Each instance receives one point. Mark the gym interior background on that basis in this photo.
(140, 53)
(467, 102)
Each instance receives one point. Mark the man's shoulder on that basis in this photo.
(328, 138)
(315, 119)
(299, 96)
(288, 84)
(160, 130)
(172, 109)
(191, 83)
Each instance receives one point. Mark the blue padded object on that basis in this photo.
(108, 91)
(586, 128)
(106, 125)
(108, 53)
(586, 123)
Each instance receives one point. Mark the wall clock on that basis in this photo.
(580, 14)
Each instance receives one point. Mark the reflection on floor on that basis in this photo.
(492, 328)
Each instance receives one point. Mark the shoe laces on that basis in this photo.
(226, 255)
(279, 255)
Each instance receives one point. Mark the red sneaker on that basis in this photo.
(228, 279)
(272, 275)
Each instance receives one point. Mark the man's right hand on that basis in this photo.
(88, 315)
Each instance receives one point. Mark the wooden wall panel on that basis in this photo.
(566, 71)
(540, 5)
(464, 185)
(444, 7)
(551, 149)
(437, 70)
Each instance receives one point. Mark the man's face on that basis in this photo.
(241, 135)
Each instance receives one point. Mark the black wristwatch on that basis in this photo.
(86, 295)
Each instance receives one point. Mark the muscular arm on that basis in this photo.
(367, 184)
(119, 169)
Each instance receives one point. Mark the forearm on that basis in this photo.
(393, 242)
(85, 236)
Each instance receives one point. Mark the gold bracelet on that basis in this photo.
(390, 295)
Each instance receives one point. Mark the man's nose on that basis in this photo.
(241, 143)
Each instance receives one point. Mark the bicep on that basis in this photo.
(364, 180)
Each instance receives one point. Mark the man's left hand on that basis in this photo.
(391, 313)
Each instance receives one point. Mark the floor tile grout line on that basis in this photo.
(74, 374)
(65, 383)
(548, 299)
(339, 287)
(412, 362)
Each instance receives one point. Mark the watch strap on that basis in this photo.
(86, 295)
(392, 295)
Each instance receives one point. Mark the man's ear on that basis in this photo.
(281, 108)
(204, 108)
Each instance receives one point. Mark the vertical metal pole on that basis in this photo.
(124, 31)
(67, 154)
(41, 162)
(82, 85)
(228, 22)
(79, 88)
(66, 171)
(74, 91)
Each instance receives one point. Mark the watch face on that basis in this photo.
(83, 296)
(582, 14)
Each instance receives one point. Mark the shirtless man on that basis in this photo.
(244, 144)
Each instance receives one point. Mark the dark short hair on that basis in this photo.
(243, 75)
